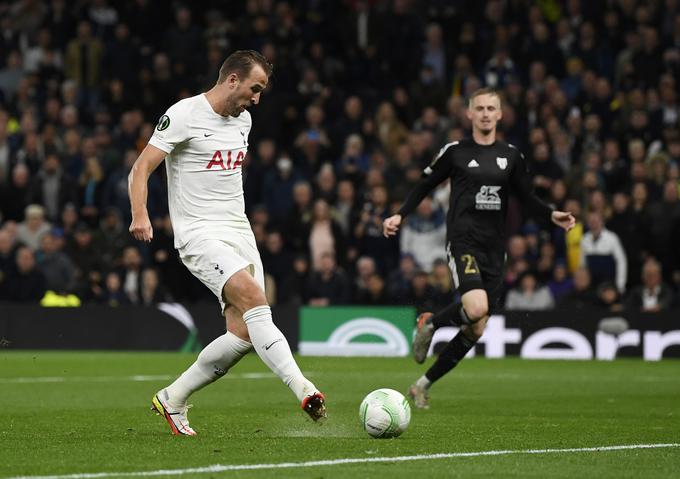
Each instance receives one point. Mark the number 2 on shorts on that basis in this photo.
(470, 264)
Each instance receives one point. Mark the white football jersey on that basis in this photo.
(205, 153)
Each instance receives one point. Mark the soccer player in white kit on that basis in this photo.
(204, 140)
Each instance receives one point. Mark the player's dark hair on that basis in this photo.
(483, 91)
(242, 62)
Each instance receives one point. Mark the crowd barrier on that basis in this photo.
(344, 331)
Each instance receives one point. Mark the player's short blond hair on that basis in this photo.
(484, 91)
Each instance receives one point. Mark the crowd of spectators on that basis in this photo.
(363, 94)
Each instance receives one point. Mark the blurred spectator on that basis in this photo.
(661, 217)
(256, 167)
(348, 126)
(325, 183)
(365, 267)
(91, 190)
(434, 51)
(375, 293)
(112, 294)
(13, 196)
(83, 64)
(25, 283)
(328, 285)
(630, 229)
(6, 256)
(293, 289)
(300, 217)
(609, 298)
(653, 295)
(42, 57)
(278, 188)
(442, 282)
(325, 235)
(151, 291)
(582, 296)
(353, 163)
(69, 219)
(423, 234)
(561, 283)
(368, 231)
(5, 158)
(55, 265)
(421, 294)
(399, 281)
(603, 254)
(499, 69)
(121, 56)
(544, 170)
(545, 262)
(34, 226)
(390, 131)
(528, 295)
(517, 248)
(312, 142)
(51, 188)
(277, 261)
(345, 208)
(115, 236)
(85, 254)
(130, 274)
(11, 75)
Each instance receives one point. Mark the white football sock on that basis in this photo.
(423, 382)
(272, 347)
(212, 363)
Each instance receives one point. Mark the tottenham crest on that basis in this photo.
(501, 162)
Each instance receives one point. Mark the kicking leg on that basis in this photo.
(242, 291)
(475, 304)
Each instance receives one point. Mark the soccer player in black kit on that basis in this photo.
(483, 171)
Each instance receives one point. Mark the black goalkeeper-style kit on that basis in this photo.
(482, 176)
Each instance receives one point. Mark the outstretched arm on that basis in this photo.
(148, 161)
(521, 183)
(438, 171)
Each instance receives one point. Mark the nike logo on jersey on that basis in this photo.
(206, 135)
(473, 164)
(266, 348)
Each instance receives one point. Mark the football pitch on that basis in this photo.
(86, 415)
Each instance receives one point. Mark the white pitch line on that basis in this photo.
(335, 462)
(110, 379)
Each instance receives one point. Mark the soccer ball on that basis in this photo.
(385, 413)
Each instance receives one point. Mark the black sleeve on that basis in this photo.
(521, 185)
(438, 171)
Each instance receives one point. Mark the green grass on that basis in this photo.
(96, 419)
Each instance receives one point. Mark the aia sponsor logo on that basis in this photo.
(217, 160)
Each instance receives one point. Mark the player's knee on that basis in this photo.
(477, 311)
(243, 293)
(247, 302)
(474, 331)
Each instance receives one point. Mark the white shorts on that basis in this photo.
(215, 261)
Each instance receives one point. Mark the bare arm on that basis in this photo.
(148, 161)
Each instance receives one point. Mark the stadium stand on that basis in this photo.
(363, 95)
